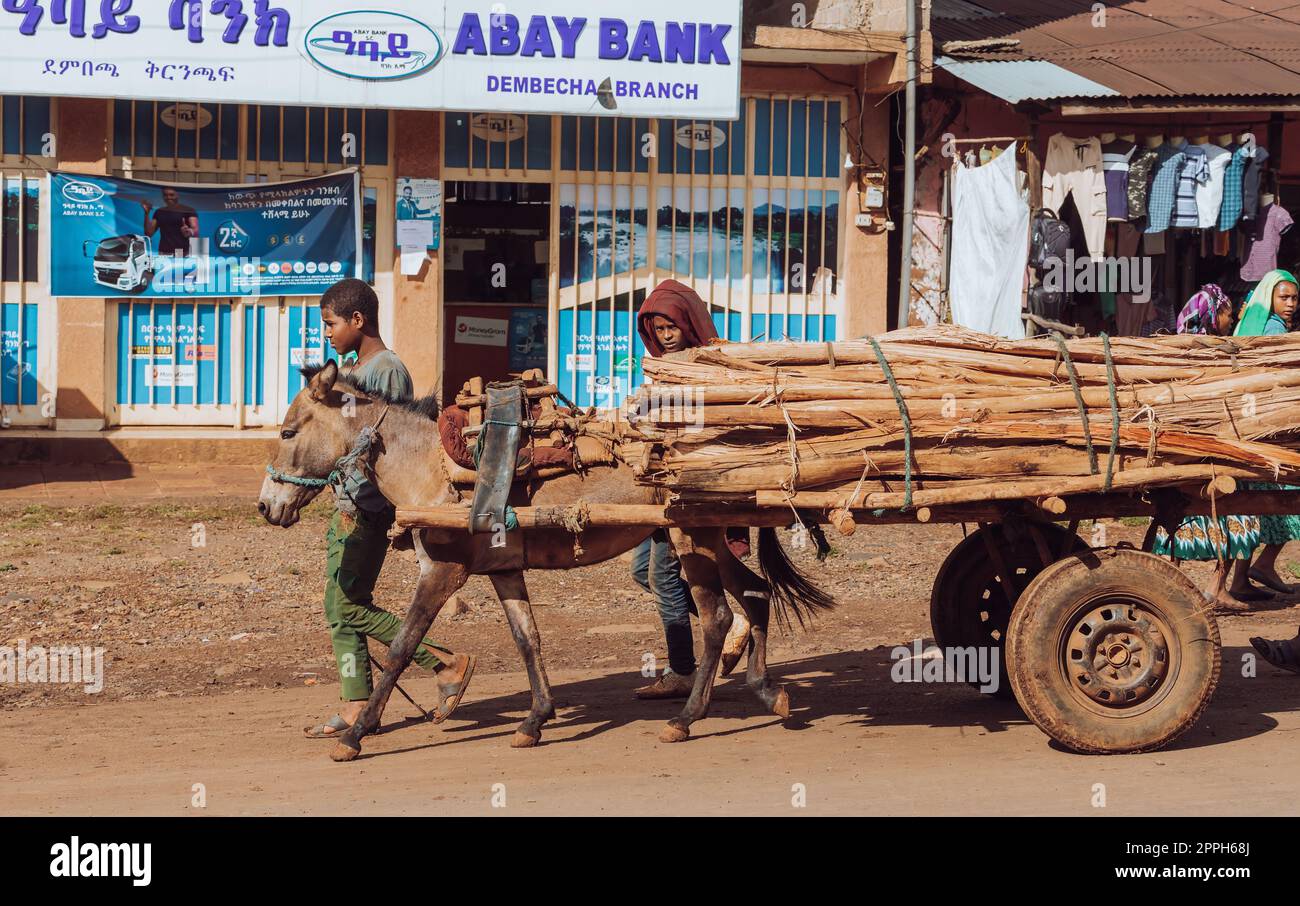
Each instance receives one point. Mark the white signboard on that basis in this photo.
(299, 357)
(602, 386)
(170, 375)
(482, 331)
(678, 58)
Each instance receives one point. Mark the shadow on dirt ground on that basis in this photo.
(854, 684)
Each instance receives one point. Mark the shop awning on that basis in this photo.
(1023, 80)
(1171, 51)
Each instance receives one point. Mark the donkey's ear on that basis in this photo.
(323, 382)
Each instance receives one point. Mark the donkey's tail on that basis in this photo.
(791, 590)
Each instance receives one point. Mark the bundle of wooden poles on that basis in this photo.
(942, 415)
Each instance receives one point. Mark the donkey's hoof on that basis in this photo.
(781, 705)
(343, 752)
(674, 733)
(522, 740)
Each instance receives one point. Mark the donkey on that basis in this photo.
(405, 462)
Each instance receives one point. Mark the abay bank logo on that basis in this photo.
(82, 191)
(374, 45)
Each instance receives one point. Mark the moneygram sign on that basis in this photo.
(678, 58)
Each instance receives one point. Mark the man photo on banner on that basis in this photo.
(177, 223)
(408, 206)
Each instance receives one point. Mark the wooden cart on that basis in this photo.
(1108, 650)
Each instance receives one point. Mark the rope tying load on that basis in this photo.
(1114, 411)
(907, 422)
(1063, 353)
(576, 519)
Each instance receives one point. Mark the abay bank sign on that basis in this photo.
(677, 58)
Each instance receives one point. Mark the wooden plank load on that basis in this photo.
(985, 419)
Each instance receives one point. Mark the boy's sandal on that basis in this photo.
(450, 696)
(322, 731)
(1279, 654)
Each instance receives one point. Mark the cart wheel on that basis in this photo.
(1113, 651)
(969, 606)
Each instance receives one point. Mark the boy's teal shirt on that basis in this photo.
(385, 375)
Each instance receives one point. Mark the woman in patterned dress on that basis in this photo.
(1269, 311)
(1229, 539)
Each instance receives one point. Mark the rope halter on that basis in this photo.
(358, 455)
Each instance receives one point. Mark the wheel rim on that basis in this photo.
(984, 610)
(1117, 655)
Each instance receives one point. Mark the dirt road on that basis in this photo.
(857, 743)
(216, 656)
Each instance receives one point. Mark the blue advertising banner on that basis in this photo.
(122, 237)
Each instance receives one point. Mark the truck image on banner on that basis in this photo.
(123, 237)
(123, 263)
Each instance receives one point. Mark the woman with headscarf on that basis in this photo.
(1229, 538)
(674, 318)
(1270, 311)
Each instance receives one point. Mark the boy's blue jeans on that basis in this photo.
(656, 569)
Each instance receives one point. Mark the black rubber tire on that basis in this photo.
(968, 605)
(143, 287)
(1154, 623)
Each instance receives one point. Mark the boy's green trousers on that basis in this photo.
(356, 550)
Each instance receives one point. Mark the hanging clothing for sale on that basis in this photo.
(1250, 183)
(1132, 314)
(1209, 194)
(1140, 171)
(1233, 176)
(1073, 165)
(1194, 173)
(1263, 241)
(1164, 184)
(1116, 158)
(990, 247)
(1189, 255)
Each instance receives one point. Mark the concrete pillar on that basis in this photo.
(865, 272)
(84, 396)
(417, 320)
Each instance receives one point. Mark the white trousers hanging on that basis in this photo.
(990, 247)
(1075, 165)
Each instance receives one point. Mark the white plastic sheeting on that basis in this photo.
(990, 247)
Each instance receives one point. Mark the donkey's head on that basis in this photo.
(316, 433)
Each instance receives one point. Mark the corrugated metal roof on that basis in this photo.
(1147, 48)
(1022, 80)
